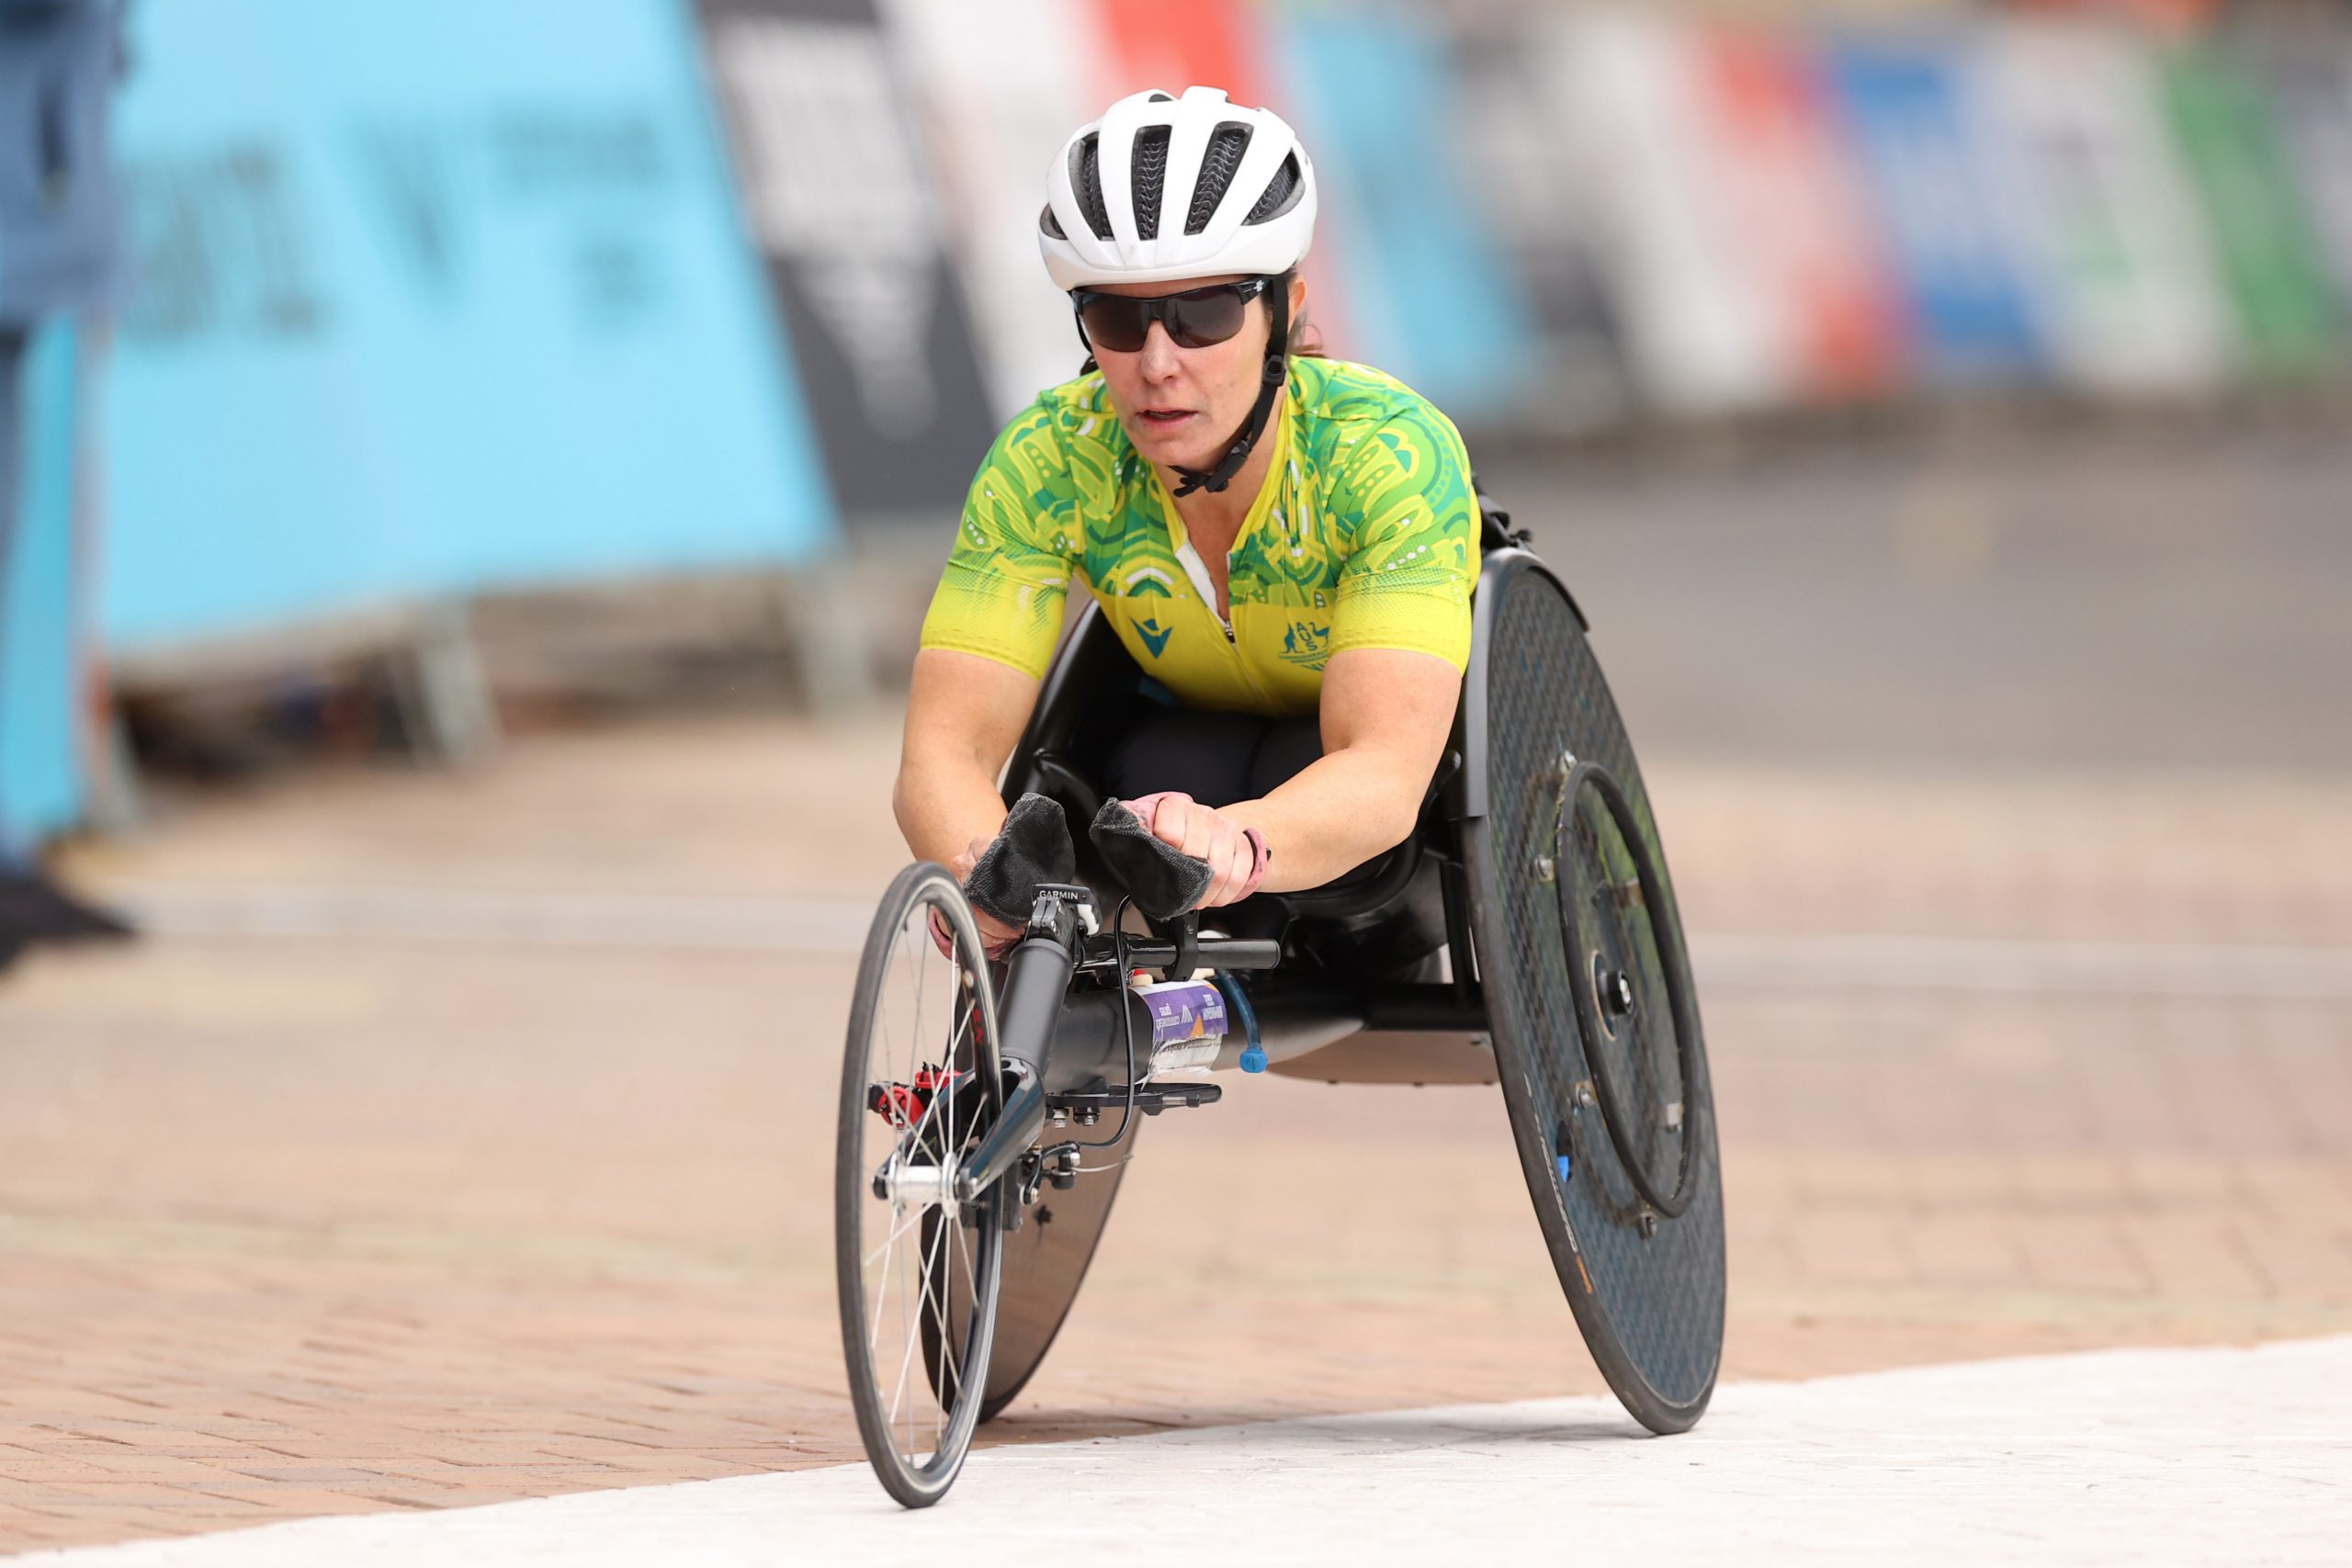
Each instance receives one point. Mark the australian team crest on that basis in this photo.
(1307, 645)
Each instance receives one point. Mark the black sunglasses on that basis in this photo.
(1195, 319)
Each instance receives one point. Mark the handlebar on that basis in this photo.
(1214, 953)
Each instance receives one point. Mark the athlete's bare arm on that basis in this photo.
(1386, 715)
(964, 716)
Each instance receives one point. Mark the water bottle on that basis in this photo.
(1188, 1023)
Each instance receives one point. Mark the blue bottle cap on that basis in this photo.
(1254, 1060)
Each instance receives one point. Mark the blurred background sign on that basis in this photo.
(1520, 181)
(457, 321)
(840, 202)
(432, 297)
(1428, 297)
(2117, 247)
(1699, 321)
(2314, 95)
(2267, 253)
(1899, 100)
(1003, 85)
(1787, 182)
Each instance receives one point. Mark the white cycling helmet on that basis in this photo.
(1162, 188)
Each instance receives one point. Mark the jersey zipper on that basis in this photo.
(1196, 569)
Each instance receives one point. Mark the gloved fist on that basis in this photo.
(1237, 856)
(996, 936)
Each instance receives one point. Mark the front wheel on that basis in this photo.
(919, 1271)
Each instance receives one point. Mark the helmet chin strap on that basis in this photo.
(1270, 381)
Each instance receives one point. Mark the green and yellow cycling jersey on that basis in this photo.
(1366, 535)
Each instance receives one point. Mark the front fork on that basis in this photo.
(1036, 982)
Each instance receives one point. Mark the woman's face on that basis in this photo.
(1181, 405)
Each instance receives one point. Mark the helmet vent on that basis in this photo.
(1088, 180)
(1150, 179)
(1225, 147)
(1282, 193)
(1051, 224)
(1161, 98)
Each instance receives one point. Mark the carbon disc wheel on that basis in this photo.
(919, 1272)
(1596, 1029)
(1045, 1263)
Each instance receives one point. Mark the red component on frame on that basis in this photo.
(903, 1105)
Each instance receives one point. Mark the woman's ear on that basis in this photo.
(1305, 339)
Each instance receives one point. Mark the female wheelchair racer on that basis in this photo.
(1407, 808)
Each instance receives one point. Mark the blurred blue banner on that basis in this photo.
(429, 295)
(1902, 102)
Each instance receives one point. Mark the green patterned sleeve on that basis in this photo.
(1414, 558)
(1002, 594)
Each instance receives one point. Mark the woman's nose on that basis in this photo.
(1158, 358)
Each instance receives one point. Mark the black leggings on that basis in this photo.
(1216, 758)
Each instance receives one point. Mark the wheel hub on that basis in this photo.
(902, 1183)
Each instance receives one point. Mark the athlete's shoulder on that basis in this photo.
(1344, 403)
(1080, 412)
(1068, 428)
(1369, 434)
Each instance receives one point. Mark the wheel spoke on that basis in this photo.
(960, 1252)
(934, 1301)
(898, 1391)
(907, 1358)
(892, 1239)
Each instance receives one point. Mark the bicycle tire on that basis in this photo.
(938, 1127)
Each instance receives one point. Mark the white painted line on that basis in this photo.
(2188, 1456)
(764, 924)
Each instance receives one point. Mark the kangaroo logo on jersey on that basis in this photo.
(1155, 636)
(1307, 645)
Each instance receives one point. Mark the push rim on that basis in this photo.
(1619, 970)
(920, 1081)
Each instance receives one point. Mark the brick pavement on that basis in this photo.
(304, 1226)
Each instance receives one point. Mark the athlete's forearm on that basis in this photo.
(963, 715)
(943, 802)
(1384, 714)
(1333, 816)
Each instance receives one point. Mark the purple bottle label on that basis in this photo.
(1183, 1010)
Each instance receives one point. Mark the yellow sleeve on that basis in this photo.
(1002, 594)
(1414, 557)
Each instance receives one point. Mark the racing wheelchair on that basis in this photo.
(1523, 936)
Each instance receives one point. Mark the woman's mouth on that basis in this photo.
(1164, 419)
